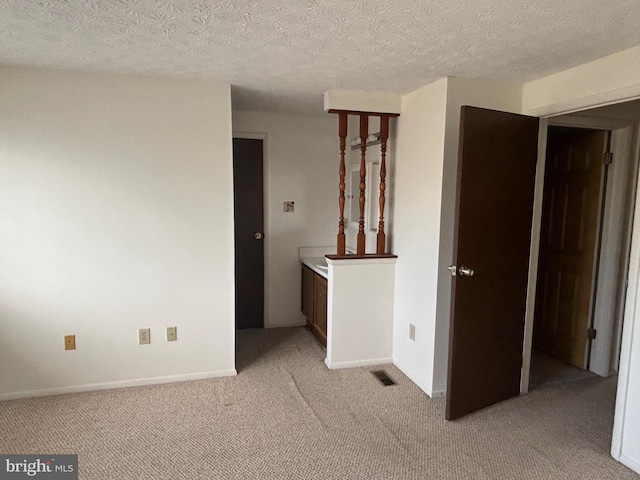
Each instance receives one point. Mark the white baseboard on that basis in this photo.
(421, 386)
(357, 363)
(91, 387)
(632, 464)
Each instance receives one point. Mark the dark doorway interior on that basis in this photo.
(548, 370)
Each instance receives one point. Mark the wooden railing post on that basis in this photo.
(364, 133)
(384, 135)
(342, 132)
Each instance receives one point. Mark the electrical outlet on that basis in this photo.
(172, 334)
(144, 336)
(69, 342)
(412, 331)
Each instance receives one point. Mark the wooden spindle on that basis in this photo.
(342, 132)
(384, 135)
(364, 133)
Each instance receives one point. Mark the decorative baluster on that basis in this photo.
(384, 135)
(364, 133)
(342, 132)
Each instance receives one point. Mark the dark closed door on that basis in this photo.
(248, 213)
(571, 213)
(494, 206)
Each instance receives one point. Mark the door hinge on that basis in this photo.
(591, 334)
(608, 158)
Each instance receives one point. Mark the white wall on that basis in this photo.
(302, 160)
(115, 214)
(362, 101)
(360, 312)
(606, 80)
(417, 192)
(475, 92)
(424, 209)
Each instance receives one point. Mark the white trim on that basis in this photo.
(265, 216)
(357, 363)
(430, 393)
(361, 261)
(92, 387)
(250, 135)
(632, 464)
(362, 101)
(613, 261)
(622, 294)
(534, 251)
(627, 344)
(590, 102)
(589, 122)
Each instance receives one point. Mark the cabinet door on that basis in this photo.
(320, 309)
(307, 293)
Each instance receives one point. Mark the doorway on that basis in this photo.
(470, 347)
(576, 166)
(619, 124)
(248, 190)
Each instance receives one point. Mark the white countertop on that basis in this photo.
(314, 258)
(317, 264)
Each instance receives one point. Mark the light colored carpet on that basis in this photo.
(286, 416)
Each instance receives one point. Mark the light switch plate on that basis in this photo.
(144, 336)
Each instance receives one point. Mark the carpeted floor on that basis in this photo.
(546, 369)
(286, 416)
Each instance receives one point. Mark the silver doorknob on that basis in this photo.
(465, 271)
(453, 269)
(258, 236)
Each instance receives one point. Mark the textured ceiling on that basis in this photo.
(283, 54)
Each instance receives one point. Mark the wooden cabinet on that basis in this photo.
(307, 292)
(314, 303)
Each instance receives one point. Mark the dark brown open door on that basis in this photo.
(249, 252)
(494, 207)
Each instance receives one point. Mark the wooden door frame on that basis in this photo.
(265, 212)
(617, 227)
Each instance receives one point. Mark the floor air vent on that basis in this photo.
(383, 378)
